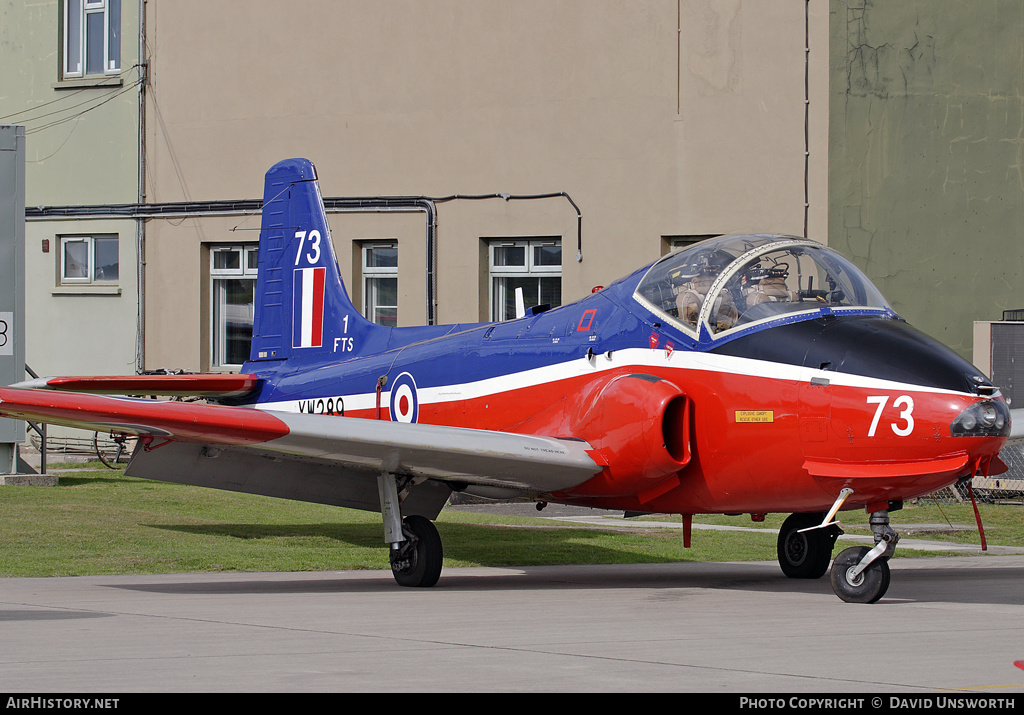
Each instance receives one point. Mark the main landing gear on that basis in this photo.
(417, 560)
(805, 551)
(858, 574)
(416, 553)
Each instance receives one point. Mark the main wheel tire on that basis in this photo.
(868, 586)
(418, 563)
(807, 554)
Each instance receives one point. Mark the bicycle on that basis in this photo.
(114, 450)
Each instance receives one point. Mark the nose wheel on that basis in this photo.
(860, 574)
(855, 585)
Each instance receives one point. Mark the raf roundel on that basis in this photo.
(405, 403)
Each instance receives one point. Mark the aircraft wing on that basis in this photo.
(318, 458)
(173, 385)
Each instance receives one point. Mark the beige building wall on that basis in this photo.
(659, 118)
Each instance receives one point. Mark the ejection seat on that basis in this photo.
(771, 288)
(691, 297)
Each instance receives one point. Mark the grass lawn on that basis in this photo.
(99, 521)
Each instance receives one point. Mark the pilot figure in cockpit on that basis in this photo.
(690, 296)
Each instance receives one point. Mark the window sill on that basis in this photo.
(92, 81)
(86, 290)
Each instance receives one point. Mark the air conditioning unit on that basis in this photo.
(999, 353)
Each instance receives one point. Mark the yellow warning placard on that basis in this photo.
(755, 416)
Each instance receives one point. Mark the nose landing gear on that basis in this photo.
(861, 575)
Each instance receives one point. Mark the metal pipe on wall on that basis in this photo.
(380, 204)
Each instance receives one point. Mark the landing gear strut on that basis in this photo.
(416, 552)
(805, 551)
(861, 575)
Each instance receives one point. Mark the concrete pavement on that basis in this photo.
(946, 624)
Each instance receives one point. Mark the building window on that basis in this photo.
(92, 37)
(380, 282)
(233, 285)
(534, 265)
(88, 260)
(670, 244)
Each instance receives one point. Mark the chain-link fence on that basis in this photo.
(1006, 488)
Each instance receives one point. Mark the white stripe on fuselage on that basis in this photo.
(637, 359)
(307, 308)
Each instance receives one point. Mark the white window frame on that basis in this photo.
(77, 16)
(676, 243)
(528, 268)
(245, 270)
(373, 274)
(90, 268)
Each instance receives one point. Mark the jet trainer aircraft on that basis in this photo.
(744, 374)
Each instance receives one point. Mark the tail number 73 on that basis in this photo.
(903, 425)
(312, 241)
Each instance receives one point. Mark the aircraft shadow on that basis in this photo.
(46, 614)
(930, 586)
(512, 567)
(351, 534)
(998, 585)
(475, 544)
(479, 545)
(114, 478)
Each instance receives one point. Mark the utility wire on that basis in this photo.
(108, 98)
(64, 96)
(69, 95)
(61, 110)
(54, 152)
(21, 118)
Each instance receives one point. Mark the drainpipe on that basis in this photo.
(401, 204)
(143, 211)
(807, 109)
(521, 197)
(140, 221)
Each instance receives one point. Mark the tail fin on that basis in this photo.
(302, 310)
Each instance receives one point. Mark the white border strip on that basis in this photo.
(635, 358)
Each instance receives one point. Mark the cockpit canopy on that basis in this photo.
(732, 282)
